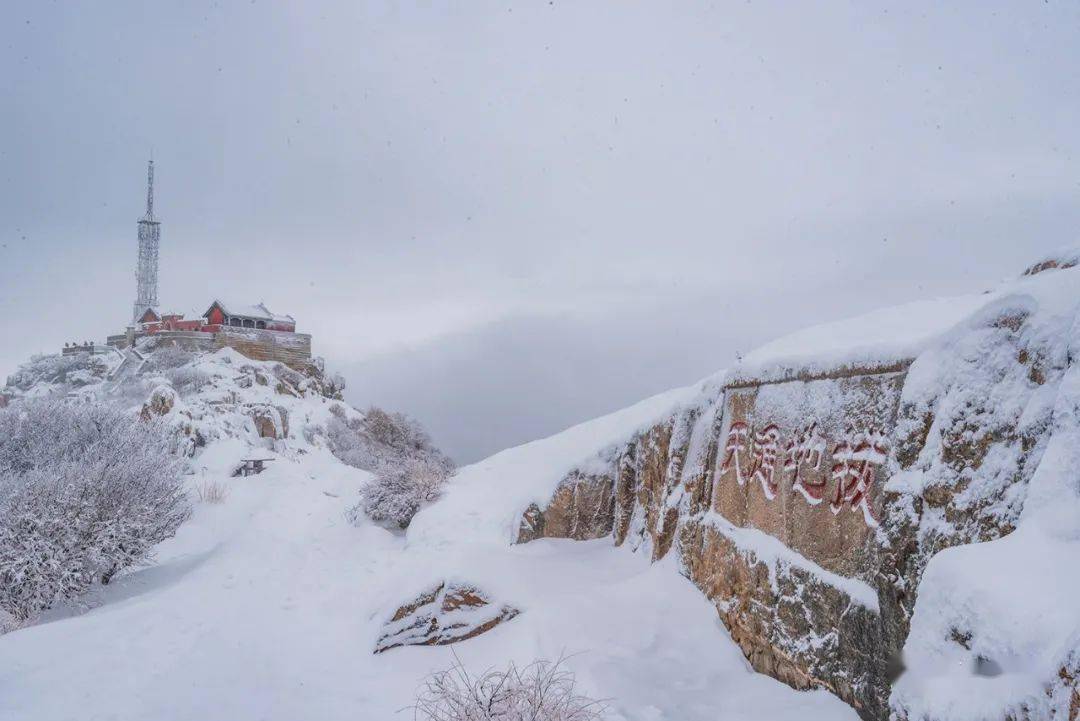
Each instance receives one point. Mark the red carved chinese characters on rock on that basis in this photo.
(754, 455)
(804, 453)
(856, 459)
(766, 451)
(738, 440)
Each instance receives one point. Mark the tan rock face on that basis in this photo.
(803, 462)
(788, 622)
(582, 509)
(443, 615)
(270, 421)
(162, 400)
(807, 507)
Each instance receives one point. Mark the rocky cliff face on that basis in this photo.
(806, 501)
(771, 497)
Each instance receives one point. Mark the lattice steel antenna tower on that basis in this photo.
(149, 237)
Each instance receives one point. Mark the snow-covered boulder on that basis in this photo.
(270, 421)
(161, 402)
(445, 614)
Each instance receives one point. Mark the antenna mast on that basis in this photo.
(146, 272)
(150, 191)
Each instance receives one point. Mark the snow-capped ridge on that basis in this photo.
(1067, 256)
(986, 430)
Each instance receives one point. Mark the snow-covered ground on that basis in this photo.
(268, 607)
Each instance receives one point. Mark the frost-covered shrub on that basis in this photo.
(399, 490)
(167, 358)
(350, 443)
(542, 691)
(334, 386)
(212, 492)
(85, 491)
(187, 380)
(409, 470)
(399, 432)
(58, 374)
(381, 438)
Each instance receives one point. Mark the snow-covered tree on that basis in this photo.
(58, 374)
(349, 441)
(86, 490)
(409, 470)
(167, 357)
(187, 380)
(400, 489)
(380, 438)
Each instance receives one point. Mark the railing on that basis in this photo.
(132, 357)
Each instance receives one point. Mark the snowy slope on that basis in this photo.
(1013, 599)
(269, 605)
(883, 336)
(996, 628)
(493, 493)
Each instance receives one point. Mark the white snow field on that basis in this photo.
(268, 607)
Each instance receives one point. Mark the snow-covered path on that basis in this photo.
(268, 606)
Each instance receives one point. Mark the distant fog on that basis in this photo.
(527, 377)
(509, 217)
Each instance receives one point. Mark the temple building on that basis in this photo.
(248, 316)
(253, 330)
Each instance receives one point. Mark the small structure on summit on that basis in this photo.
(248, 316)
(217, 316)
(253, 330)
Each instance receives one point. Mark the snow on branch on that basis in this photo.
(86, 490)
(409, 470)
(542, 691)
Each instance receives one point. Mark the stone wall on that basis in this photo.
(92, 348)
(185, 339)
(803, 461)
(798, 461)
(118, 341)
(292, 349)
(773, 496)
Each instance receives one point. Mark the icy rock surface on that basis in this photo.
(938, 532)
(445, 614)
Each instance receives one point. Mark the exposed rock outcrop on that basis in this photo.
(806, 502)
(270, 421)
(160, 403)
(445, 614)
(770, 495)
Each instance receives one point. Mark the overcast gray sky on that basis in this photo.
(508, 217)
